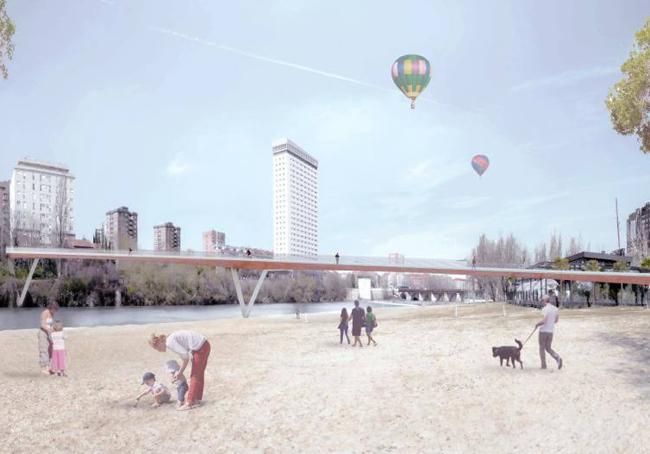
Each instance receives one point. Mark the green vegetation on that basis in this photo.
(592, 265)
(561, 263)
(102, 284)
(621, 266)
(7, 30)
(645, 264)
(628, 99)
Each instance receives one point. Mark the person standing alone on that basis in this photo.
(546, 325)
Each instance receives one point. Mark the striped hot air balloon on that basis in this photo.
(480, 163)
(411, 74)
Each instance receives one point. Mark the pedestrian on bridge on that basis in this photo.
(337, 257)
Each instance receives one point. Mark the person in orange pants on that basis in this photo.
(187, 344)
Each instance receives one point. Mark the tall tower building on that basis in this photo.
(295, 200)
(213, 240)
(166, 237)
(121, 229)
(41, 199)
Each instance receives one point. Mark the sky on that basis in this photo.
(170, 108)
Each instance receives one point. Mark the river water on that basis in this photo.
(128, 315)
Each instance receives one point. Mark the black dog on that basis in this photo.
(509, 353)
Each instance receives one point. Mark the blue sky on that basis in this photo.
(170, 108)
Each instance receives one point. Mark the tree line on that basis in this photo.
(94, 283)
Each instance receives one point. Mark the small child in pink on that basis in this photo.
(58, 349)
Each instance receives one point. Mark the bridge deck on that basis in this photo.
(326, 263)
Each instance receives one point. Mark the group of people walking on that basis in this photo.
(360, 319)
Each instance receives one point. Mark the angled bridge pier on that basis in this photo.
(247, 307)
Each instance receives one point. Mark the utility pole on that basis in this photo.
(618, 226)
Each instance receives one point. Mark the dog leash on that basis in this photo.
(529, 336)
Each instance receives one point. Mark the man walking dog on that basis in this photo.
(551, 317)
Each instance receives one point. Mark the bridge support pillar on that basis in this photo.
(28, 281)
(246, 308)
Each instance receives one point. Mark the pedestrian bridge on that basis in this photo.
(315, 263)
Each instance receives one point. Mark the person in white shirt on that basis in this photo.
(551, 317)
(187, 344)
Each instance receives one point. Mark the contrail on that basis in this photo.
(275, 61)
(297, 66)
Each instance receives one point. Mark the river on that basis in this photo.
(129, 315)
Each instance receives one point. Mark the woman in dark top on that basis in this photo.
(343, 324)
(358, 317)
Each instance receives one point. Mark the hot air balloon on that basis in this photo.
(411, 75)
(480, 163)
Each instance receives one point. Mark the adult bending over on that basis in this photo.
(187, 344)
(551, 317)
(44, 340)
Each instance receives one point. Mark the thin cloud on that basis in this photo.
(567, 78)
(177, 166)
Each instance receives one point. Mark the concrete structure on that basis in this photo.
(295, 200)
(41, 199)
(166, 237)
(638, 232)
(316, 263)
(213, 240)
(99, 238)
(121, 229)
(5, 223)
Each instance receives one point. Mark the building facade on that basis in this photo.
(4, 214)
(41, 200)
(166, 237)
(213, 241)
(120, 229)
(638, 232)
(295, 200)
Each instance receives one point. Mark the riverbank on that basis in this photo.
(282, 385)
(27, 318)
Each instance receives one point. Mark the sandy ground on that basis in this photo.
(281, 385)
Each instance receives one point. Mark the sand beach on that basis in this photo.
(277, 385)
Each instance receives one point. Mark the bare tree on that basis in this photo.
(22, 230)
(61, 228)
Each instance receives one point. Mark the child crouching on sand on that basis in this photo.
(159, 391)
(57, 364)
(180, 381)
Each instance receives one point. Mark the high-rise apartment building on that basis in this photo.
(41, 199)
(295, 200)
(213, 240)
(5, 224)
(166, 237)
(121, 229)
(638, 232)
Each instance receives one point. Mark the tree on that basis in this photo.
(645, 264)
(7, 30)
(61, 214)
(629, 100)
(621, 266)
(592, 265)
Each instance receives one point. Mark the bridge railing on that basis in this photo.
(319, 259)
